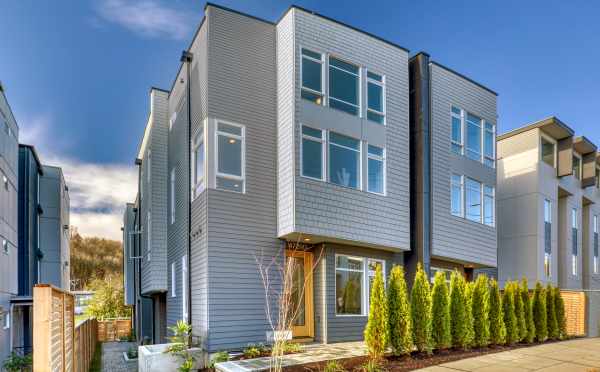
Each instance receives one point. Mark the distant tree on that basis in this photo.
(559, 307)
(539, 313)
(458, 311)
(496, 315)
(519, 312)
(480, 311)
(399, 313)
(94, 258)
(376, 332)
(510, 318)
(553, 332)
(420, 311)
(441, 335)
(108, 300)
(528, 310)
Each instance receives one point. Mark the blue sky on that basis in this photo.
(77, 73)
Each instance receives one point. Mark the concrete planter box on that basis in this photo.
(155, 358)
(127, 359)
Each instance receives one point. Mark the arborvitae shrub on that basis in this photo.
(539, 313)
(440, 313)
(528, 310)
(519, 312)
(479, 308)
(399, 313)
(559, 307)
(420, 311)
(469, 332)
(458, 307)
(497, 329)
(552, 323)
(376, 332)
(510, 318)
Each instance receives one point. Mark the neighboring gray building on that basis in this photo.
(128, 254)
(297, 134)
(9, 151)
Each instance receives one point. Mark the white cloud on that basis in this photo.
(148, 18)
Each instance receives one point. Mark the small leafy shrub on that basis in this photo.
(292, 348)
(253, 351)
(496, 314)
(519, 312)
(17, 363)
(124, 338)
(559, 307)
(441, 335)
(510, 318)
(552, 324)
(399, 323)
(528, 311)
(420, 311)
(333, 366)
(539, 313)
(132, 353)
(376, 332)
(179, 347)
(372, 365)
(219, 357)
(480, 312)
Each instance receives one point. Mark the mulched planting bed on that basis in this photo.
(414, 361)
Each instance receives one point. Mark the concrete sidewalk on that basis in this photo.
(571, 356)
(112, 357)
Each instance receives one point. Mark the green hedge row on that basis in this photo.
(461, 315)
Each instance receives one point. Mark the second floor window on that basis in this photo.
(312, 153)
(344, 160)
(473, 200)
(489, 148)
(473, 137)
(375, 97)
(375, 169)
(488, 205)
(456, 195)
(312, 76)
(230, 157)
(344, 83)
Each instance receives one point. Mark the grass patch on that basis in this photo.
(96, 364)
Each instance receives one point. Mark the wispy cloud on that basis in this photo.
(149, 18)
(98, 192)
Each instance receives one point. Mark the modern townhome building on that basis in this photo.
(304, 139)
(9, 132)
(548, 209)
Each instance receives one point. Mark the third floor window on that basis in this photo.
(473, 137)
(576, 166)
(344, 85)
(548, 151)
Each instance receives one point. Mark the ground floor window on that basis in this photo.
(433, 270)
(547, 264)
(353, 281)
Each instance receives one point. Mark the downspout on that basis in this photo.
(187, 57)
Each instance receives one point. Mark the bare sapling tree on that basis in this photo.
(284, 285)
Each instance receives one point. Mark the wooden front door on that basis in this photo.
(302, 293)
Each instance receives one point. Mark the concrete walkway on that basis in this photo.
(571, 356)
(112, 357)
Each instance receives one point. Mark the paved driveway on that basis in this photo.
(570, 356)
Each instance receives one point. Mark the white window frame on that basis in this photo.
(382, 159)
(555, 155)
(578, 176)
(595, 263)
(198, 185)
(548, 216)
(574, 264)
(574, 219)
(433, 269)
(462, 195)
(184, 288)
(483, 195)
(149, 236)
(173, 281)
(574, 225)
(359, 76)
(548, 264)
(480, 203)
(360, 160)
(6, 324)
(460, 117)
(481, 130)
(483, 133)
(323, 69)
(323, 142)
(242, 138)
(382, 84)
(172, 196)
(363, 289)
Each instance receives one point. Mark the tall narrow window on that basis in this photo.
(375, 97)
(456, 194)
(172, 120)
(596, 268)
(473, 137)
(172, 196)
(488, 205)
(547, 237)
(376, 169)
(230, 157)
(574, 231)
(576, 166)
(198, 174)
(489, 145)
(173, 288)
(349, 285)
(457, 131)
(598, 177)
(344, 83)
(148, 237)
(184, 288)
(548, 151)
(344, 160)
(312, 76)
(312, 153)
(473, 200)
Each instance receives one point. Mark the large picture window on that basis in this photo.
(473, 200)
(473, 137)
(375, 97)
(344, 86)
(312, 153)
(344, 160)
(376, 166)
(312, 76)
(456, 195)
(349, 285)
(198, 174)
(230, 157)
(457, 135)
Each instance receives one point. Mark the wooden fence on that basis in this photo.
(114, 329)
(574, 312)
(58, 345)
